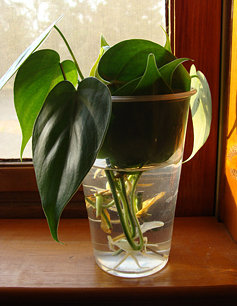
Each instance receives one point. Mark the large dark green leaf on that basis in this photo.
(34, 80)
(127, 60)
(21, 59)
(67, 135)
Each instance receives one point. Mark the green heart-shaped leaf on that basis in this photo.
(21, 59)
(67, 136)
(33, 82)
(127, 61)
(201, 110)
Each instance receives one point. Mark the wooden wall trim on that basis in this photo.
(18, 178)
(19, 196)
(197, 26)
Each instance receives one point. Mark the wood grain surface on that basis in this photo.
(202, 264)
(197, 35)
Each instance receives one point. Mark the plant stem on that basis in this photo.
(63, 73)
(98, 205)
(106, 219)
(134, 185)
(70, 50)
(125, 201)
(134, 208)
(110, 204)
(123, 214)
(116, 200)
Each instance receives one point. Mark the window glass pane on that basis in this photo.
(82, 24)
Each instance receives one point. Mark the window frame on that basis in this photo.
(18, 178)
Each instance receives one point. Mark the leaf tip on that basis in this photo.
(21, 152)
(167, 45)
(54, 233)
(103, 42)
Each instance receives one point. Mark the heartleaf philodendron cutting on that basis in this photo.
(70, 118)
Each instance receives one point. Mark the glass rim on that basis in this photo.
(150, 98)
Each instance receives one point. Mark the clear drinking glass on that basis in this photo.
(131, 190)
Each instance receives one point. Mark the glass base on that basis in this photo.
(136, 266)
(131, 218)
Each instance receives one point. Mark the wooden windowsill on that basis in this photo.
(202, 266)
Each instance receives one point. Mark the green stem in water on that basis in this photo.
(134, 185)
(134, 208)
(106, 220)
(138, 201)
(98, 205)
(70, 50)
(122, 195)
(125, 201)
(110, 204)
(126, 230)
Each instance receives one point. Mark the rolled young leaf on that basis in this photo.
(103, 42)
(103, 48)
(67, 136)
(167, 45)
(151, 81)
